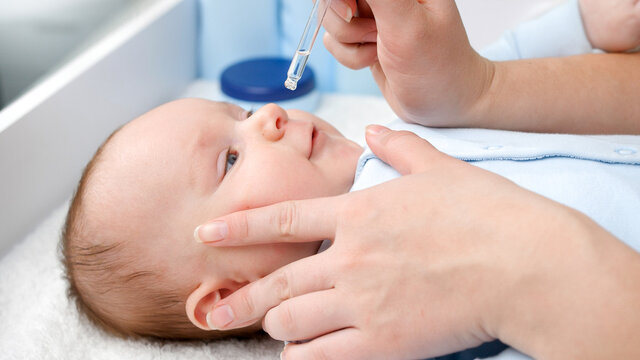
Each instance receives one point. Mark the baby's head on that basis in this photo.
(128, 244)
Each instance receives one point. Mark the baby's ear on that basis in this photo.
(200, 302)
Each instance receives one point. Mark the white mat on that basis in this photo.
(39, 323)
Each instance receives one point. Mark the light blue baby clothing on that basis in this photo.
(597, 175)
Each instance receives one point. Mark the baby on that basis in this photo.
(128, 241)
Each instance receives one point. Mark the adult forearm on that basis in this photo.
(581, 302)
(586, 94)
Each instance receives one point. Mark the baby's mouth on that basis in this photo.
(314, 135)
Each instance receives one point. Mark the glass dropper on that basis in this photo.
(309, 35)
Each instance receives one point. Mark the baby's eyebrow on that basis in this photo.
(229, 105)
(235, 107)
(226, 103)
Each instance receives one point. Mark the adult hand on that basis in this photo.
(418, 52)
(429, 74)
(612, 25)
(442, 259)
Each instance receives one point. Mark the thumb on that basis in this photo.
(404, 151)
(345, 8)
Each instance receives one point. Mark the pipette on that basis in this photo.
(309, 35)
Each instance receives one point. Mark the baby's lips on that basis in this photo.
(314, 134)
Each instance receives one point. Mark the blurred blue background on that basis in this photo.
(36, 37)
(240, 29)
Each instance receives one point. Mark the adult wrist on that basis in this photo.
(487, 79)
(561, 305)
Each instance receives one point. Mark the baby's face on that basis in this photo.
(193, 160)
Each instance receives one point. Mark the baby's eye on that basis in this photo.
(231, 160)
(249, 113)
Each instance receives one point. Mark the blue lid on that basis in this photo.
(262, 80)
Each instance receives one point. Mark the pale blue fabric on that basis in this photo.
(597, 175)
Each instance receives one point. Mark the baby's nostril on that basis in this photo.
(278, 123)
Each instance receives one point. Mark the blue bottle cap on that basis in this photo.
(262, 80)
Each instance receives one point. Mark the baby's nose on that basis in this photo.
(273, 120)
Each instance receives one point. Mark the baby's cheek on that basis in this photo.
(295, 186)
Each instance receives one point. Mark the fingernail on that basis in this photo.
(376, 130)
(211, 232)
(370, 37)
(343, 10)
(220, 317)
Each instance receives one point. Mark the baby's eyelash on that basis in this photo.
(250, 113)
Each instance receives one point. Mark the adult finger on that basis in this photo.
(289, 221)
(405, 151)
(353, 56)
(308, 316)
(344, 9)
(250, 303)
(359, 30)
(343, 344)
